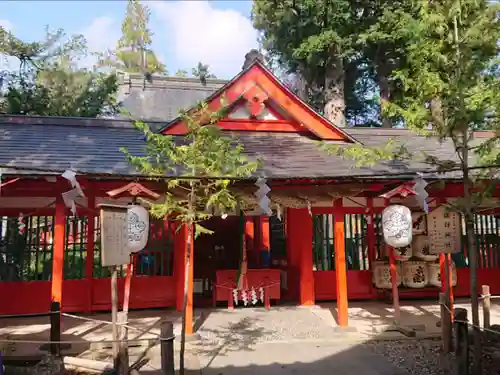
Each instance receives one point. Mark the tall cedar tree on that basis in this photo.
(451, 84)
(203, 164)
(49, 81)
(312, 39)
(328, 44)
(133, 53)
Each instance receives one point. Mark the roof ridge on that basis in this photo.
(69, 121)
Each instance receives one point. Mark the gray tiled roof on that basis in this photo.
(162, 97)
(92, 146)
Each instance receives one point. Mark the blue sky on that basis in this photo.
(219, 33)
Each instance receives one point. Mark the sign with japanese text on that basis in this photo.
(114, 235)
(444, 231)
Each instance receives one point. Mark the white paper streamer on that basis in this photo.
(422, 194)
(244, 297)
(235, 296)
(70, 196)
(254, 296)
(278, 212)
(261, 195)
(69, 199)
(20, 223)
(309, 209)
(71, 177)
(261, 294)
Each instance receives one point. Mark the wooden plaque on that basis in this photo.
(114, 236)
(444, 231)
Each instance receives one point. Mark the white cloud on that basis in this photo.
(199, 32)
(101, 35)
(6, 24)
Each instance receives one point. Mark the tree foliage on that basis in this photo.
(181, 73)
(202, 166)
(314, 40)
(49, 81)
(133, 53)
(202, 71)
(342, 49)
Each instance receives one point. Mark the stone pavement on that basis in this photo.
(286, 338)
(301, 358)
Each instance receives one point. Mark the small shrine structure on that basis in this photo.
(323, 241)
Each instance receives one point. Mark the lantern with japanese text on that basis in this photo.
(397, 226)
(138, 228)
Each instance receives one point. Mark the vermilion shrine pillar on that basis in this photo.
(180, 259)
(299, 235)
(340, 270)
(58, 252)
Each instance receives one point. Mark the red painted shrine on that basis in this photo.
(323, 241)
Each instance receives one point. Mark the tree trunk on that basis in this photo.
(301, 83)
(383, 72)
(385, 97)
(334, 93)
(189, 243)
(473, 259)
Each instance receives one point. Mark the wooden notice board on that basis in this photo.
(114, 235)
(444, 231)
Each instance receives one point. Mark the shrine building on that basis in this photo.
(323, 242)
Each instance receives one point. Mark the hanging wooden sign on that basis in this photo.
(114, 235)
(444, 231)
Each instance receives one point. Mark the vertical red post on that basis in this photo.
(292, 255)
(89, 260)
(341, 270)
(179, 264)
(250, 234)
(300, 238)
(190, 288)
(265, 241)
(262, 235)
(442, 271)
(394, 278)
(58, 251)
(180, 258)
(446, 284)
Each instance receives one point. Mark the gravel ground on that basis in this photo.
(419, 357)
(258, 325)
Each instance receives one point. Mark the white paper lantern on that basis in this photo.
(421, 249)
(138, 228)
(397, 226)
(415, 274)
(382, 275)
(435, 274)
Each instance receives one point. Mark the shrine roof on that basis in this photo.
(92, 146)
(161, 97)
